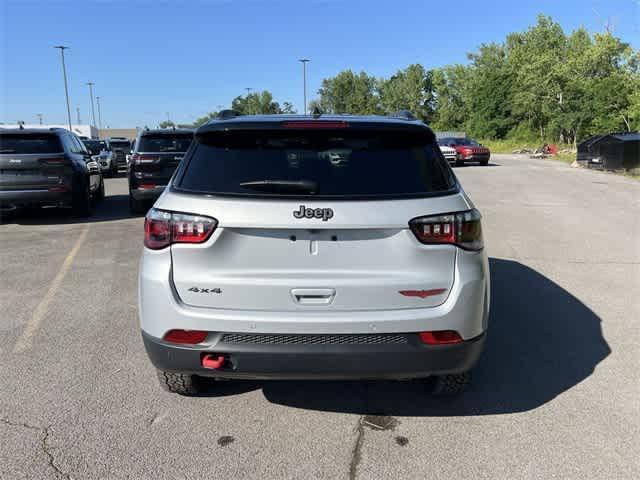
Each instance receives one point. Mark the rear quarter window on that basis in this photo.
(29, 143)
(342, 164)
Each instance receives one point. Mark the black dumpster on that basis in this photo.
(615, 151)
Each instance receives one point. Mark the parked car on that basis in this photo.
(265, 259)
(449, 153)
(102, 155)
(120, 148)
(154, 158)
(468, 150)
(51, 167)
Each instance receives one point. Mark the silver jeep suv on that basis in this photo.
(300, 247)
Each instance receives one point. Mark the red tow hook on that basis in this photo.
(212, 361)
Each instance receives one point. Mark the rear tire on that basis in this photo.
(100, 191)
(484, 162)
(180, 383)
(459, 163)
(81, 199)
(449, 385)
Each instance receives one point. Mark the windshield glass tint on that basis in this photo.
(120, 145)
(24, 143)
(341, 164)
(164, 143)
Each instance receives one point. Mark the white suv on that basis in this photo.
(265, 257)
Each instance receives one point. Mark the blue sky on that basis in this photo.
(187, 58)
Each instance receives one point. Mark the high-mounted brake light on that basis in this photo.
(462, 229)
(315, 124)
(162, 228)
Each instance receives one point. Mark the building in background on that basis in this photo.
(129, 133)
(88, 131)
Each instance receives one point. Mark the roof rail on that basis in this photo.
(227, 114)
(403, 114)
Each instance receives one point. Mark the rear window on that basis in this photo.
(339, 164)
(124, 145)
(29, 143)
(165, 143)
(94, 146)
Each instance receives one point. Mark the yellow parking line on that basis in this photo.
(24, 342)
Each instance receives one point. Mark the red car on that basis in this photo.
(468, 150)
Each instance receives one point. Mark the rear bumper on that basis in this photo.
(18, 198)
(477, 157)
(147, 193)
(410, 359)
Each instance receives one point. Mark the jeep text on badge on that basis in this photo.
(304, 212)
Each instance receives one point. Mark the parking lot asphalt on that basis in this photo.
(556, 393)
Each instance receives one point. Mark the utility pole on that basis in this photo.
(99, 114)
(66, 88)
(78, 114)
(304, 62)
(39, 115)
(93, 112)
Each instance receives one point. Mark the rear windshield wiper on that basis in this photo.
(283, 186)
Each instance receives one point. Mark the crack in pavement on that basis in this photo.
(46, 431)
(356, 453)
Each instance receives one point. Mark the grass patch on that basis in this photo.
(508, 146)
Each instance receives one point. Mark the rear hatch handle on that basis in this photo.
(313, 296)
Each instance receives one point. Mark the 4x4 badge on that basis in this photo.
(304, 212)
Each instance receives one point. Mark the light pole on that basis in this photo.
(93, 112)
(39, 115)
(99, 114)
(66, 88)
(78, 115)
(304, 62)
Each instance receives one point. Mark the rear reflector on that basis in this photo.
(58, 189)
(462, 229)
(146, 186)
(53, 162)
(315, 124)
(423, 293)
(440, 337)
(162, 228)
(185, 337)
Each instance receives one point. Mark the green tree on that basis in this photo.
(352, 93)
(451, 92)
(409, 89)
(166, 124)
(258, 103)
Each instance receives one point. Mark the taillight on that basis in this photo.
(139, 159)
(189, 337)
(440, 337)
(162, 228)
(315, 124)
(462, 229)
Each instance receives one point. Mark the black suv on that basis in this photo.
(154, 158)
(120, 148)
(40, 167)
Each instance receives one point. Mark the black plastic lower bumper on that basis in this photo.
(411, 359)
(20, 198)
